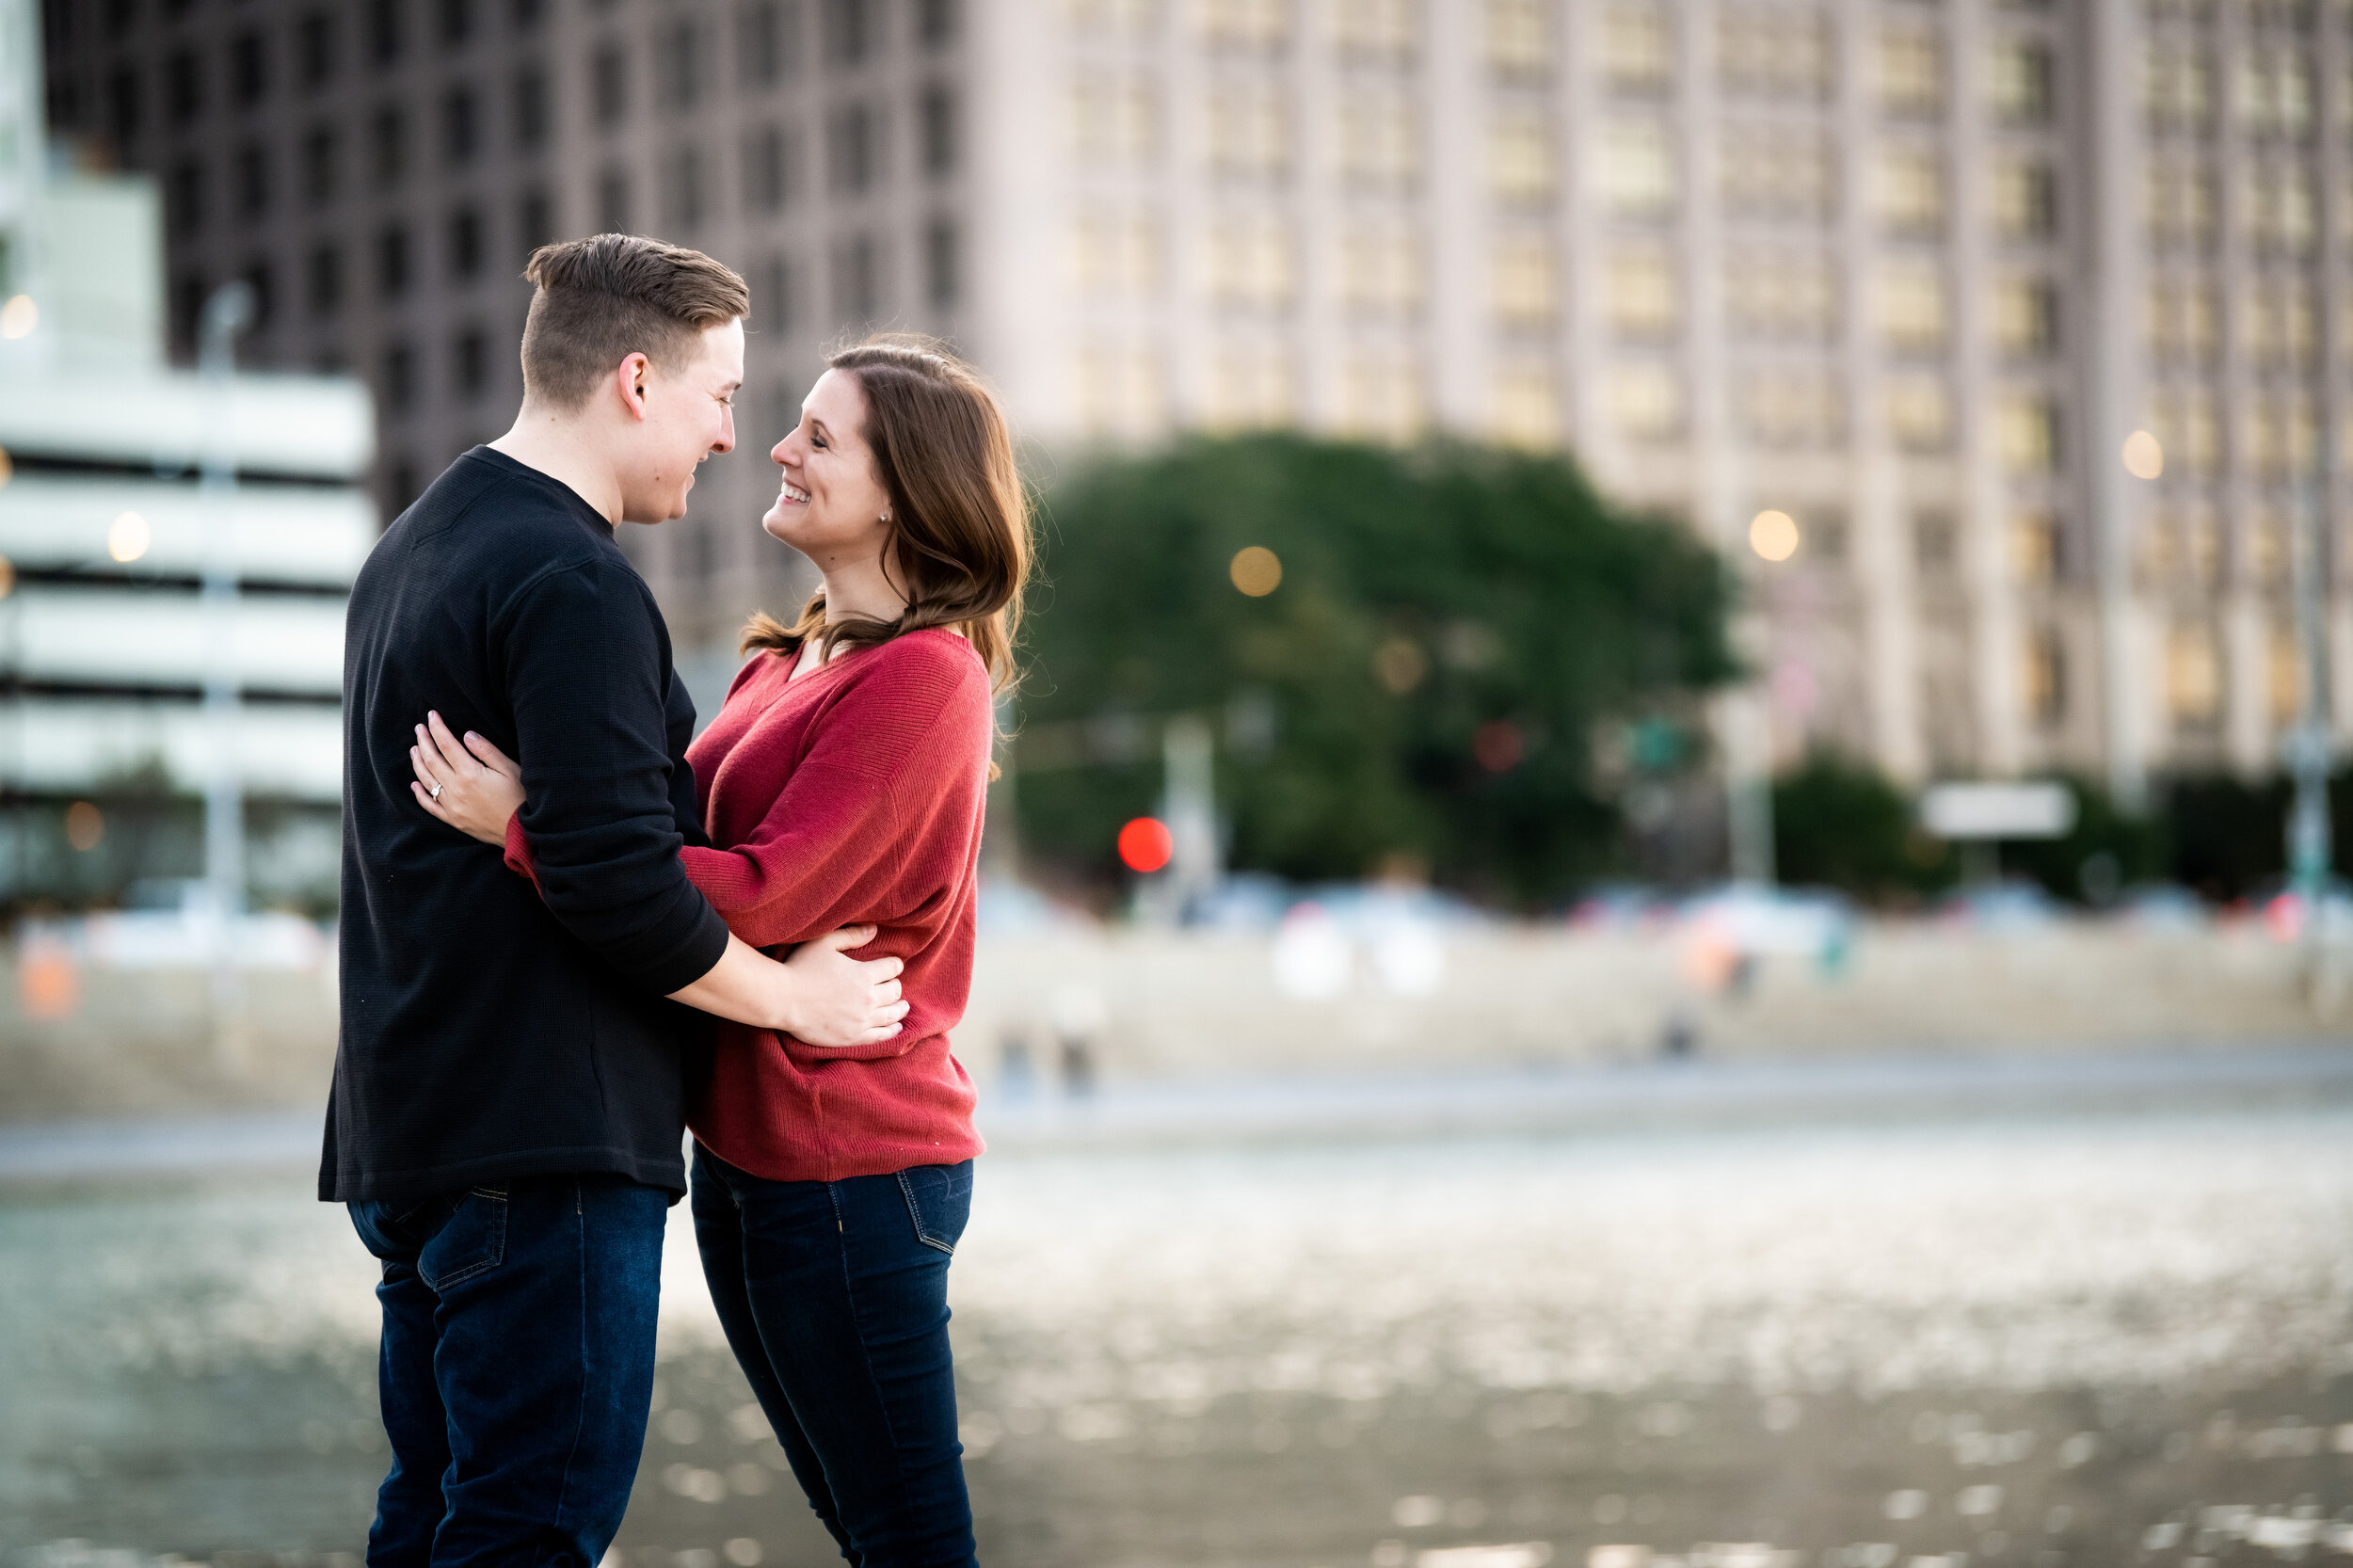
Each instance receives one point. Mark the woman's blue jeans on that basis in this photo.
(834, 1296)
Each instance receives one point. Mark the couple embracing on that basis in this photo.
(573, 931)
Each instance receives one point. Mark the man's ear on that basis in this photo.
(629, 379)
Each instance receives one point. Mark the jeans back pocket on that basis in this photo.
(939, 1201)
(470, 1240)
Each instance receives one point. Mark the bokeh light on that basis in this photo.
(1498, 745)
(8, 468)
(85, 825)
(1146, 844)
(8, 577)
(128, 538)
(2144, 456)
(1401, 664)
(19, 317)
(1774, 535)
(1256, 570)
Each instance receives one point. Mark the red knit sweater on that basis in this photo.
(853, 793)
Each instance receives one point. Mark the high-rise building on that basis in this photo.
(1911, 272)
(124, 486)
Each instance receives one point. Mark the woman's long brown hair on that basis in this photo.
(958, 545)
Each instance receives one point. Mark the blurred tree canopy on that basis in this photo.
(1424, 686)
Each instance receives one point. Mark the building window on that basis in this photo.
(1637, 49)
(1911, 306)
(2034, 544)
(1251, 385)
(849, 31)
(184, 197)
(314, 48)
(187, 305)
(683, 190)
(324, 281)
(392, 262)
(1381, 396)
(321, 166)
(1642, 298)
(124, 107)
(534, 220)
(1524, 407)
(681, 57)
(2027, 428)
(2025, 317)
(1645, 400)
(1249, 262)
(1381, 271)
(1376, 28)
(610, 85)
(1910, 191)
(2193, 676)
(2180, 202)
(1518, 41)
(528, 101)
(469, 363)
(184, 87)
(262, 279)
(1118, 389)
(400, 484)
(852, 148)
(1380, 138)
(1777, 52)
(1113, 121)
(459, 130)
(940, 131)
(397, 385)
(857, 279)
(1782, 294)
(775, 294)
(935, 22)
(1912, 74)
(384, 30)
(612, 202)
(253, 180)
(1521, 282)
(943, 264)
(2017, 81)
(2026, 201)
(465, 243)
(1637, 170)
(1919, 413)
(2178, 85)
(248, 67)
(1776, 172)
(1249, 127)
(1935, 544)
(767, 169)
(1792, 408)
(2046, 678)
(390, 134)
(761, 51)
(457, 21)
(526, 13)
(1519, 158)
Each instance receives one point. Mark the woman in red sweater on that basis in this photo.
(844, 781)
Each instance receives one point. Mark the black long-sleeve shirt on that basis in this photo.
(489, 1029)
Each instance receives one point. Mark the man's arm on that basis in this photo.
(581, 652)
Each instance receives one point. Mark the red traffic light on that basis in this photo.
(1144, 845)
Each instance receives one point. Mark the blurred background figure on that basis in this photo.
(1618, 570)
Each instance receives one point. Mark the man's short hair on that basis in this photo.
(606, 297)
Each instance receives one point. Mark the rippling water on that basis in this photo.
(2036, 1342)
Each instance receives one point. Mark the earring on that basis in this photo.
(886, 517)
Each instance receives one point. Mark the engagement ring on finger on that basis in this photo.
(435, 792)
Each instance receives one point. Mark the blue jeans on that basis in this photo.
(515, 1370)
(834, 1296)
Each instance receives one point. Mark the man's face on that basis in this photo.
(690, 415)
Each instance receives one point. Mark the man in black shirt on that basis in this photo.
(510, 1080)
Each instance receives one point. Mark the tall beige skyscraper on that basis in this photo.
(1911, 272)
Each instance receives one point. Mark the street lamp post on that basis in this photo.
(2306, 748)
(227, 312)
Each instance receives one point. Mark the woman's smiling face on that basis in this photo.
(831, 506)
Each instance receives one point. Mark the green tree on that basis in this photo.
(1451, 625)
(1841, 823)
